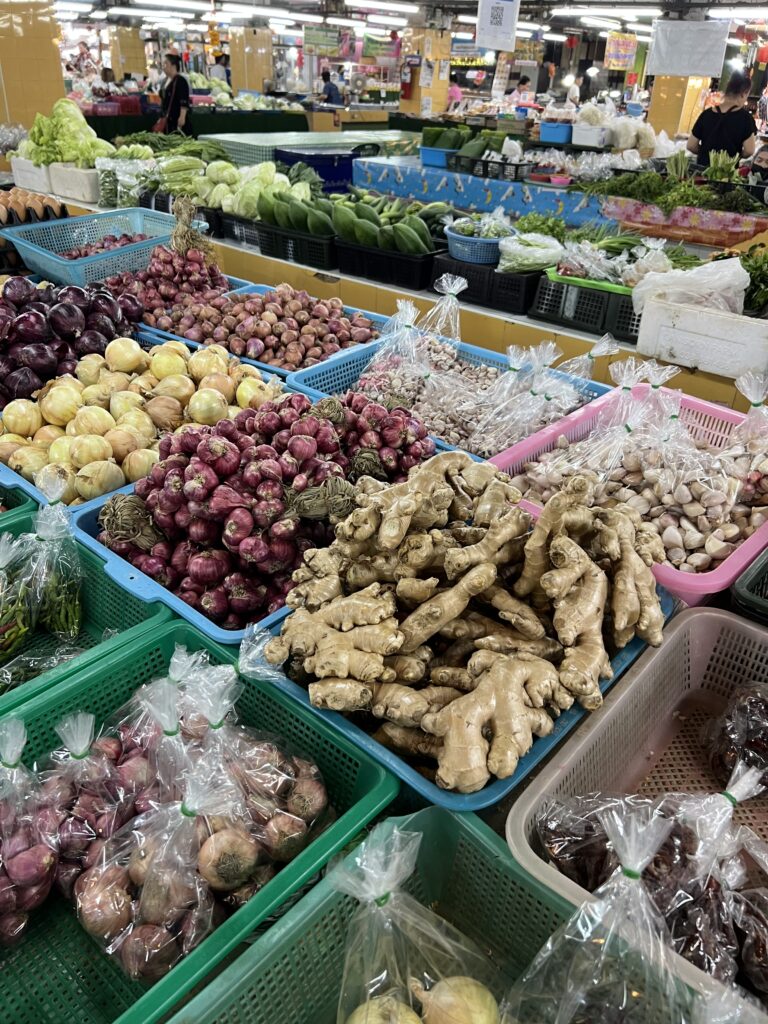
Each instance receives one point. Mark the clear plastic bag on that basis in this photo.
(28, 837)
(396, 373)
(56, 574)
(525, 252)
(443, 319)
(401, 957)
(740, 733)
(717, 285)
(753, 431)
(28, 666)
(170, 755)
(583, 366)
(610, 961)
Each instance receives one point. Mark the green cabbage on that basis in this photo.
(265, 172)
(228, 203)
(216, 198)
(245, 201)
(222, 173)
(202, 188)
(302, 191)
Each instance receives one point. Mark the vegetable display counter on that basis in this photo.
(404, 176)
(205, 122)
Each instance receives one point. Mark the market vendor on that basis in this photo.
(330, 91)
(756, 172)
(728, 126)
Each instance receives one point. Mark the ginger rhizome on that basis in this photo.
(445, 612)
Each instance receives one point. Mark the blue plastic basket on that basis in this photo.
(495, 791)
(39, 244)
(431, 157)
(555, 131)
(343, 371)
(245, 288)
(85, 526)
(472, 250)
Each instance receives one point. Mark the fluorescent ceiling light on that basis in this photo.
(601, 23)
(616, 12)
(139, 12)
(74, 6)
(97, 15)
(351, 22)
(530, 25)
(462, 35)
(743, 13)
(593, 71)
(182, 5)
(244, 11)
(384, 5)
(387, 19)
(467, 19)
(555, 37)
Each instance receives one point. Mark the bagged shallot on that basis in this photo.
(28, 837)
(403, 962)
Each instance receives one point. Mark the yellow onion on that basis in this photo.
(383, 1010)
(27, 461)
(66, 380)
(89, 448)
(206, 361)
(123, 440)
(207, 406)
(98, 478)
(143, 384)
(238, 371)
(22, 416)
(166, 413)
(166, 362)
(457, 1000)
(177, 385)
(45, 436)
(220, 382)
(124, 401)
(251, 393)
(89, 368)
(57, 482)
(60, 405)
(113, 381)
(171, 346)
(70, 429)
(60, 449)
(9, 443)
(138, 464)
(140, 420)
(93, 420)
(125, 355)
(96, 394)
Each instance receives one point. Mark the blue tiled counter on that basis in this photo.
(404, 176)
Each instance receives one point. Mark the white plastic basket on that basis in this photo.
(589, 135)
(26, 175)
(647, 738)
(72, 182)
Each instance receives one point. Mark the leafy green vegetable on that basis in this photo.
(538, 223)
(64, 137)
(221, 172)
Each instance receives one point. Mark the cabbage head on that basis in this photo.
(222, 173)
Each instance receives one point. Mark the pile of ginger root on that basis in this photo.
(444, 611)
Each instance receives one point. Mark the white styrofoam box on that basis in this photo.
(589, 135)
(26, 175)
(73, 183)
(707, 339)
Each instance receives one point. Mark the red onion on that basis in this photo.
(209, 567)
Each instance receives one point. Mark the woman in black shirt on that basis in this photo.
(728, 126)
(175, 97)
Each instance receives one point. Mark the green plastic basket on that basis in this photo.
(106, 607)
(583, 282)
(58, 975)
(16, 503)
(292, 975)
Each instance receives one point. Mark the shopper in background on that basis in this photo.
(330, 91)
(762, 108)
(574, 91)
(219, 70)
(756, 172)
(175, 108)
(455, 95)
(521, 91)
(729, 126)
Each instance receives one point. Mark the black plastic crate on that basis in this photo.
(477, 275)
(513, 293)
(499, 170)
(212, 218)
(281, 244)
(387, 267)
(749, 594)
(244, 231)
(570, 305)
(621, 319)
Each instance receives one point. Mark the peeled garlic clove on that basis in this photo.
(692, 539)
(686, 524)
(757, 519)
(652, 475)
(730, 531)
(685, 567)
(647, 493)
(682, 494)
(657, 511)
(668, 500)
(672, 537)
(639, 504)
(715, 512)
(631, 462)
(696, 489)
(618, 474)
(693, 509)
(676, 555)
(665, 520)
(700, 561)
(712, 497)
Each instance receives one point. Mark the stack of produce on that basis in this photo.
(284, 328)
(703, 502)
(169, 276)
(238, 190)
(669, 193)
(28, 206)
(63, 137)
(445, 138)
(46, 328)
(226, 515)
(396, 225)
(206, 149)
(91, 433)
(105, 244)
(436, 610)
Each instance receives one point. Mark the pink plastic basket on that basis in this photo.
(706, 421)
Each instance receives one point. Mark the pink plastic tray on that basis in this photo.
(705, 420)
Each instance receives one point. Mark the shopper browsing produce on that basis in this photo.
(175, 99)
(729, 126)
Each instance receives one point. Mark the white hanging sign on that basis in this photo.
(496, 24)
(688, 48)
